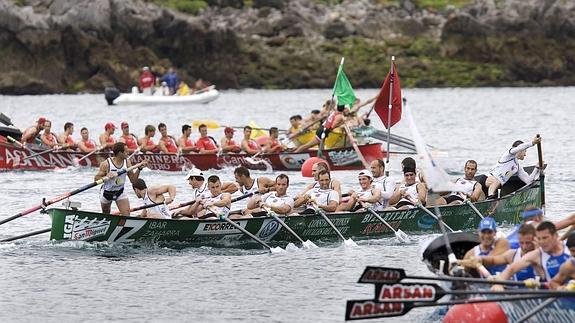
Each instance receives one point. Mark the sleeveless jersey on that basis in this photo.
(90, 144)
(189, 143)
(524, 273)
(131, 142)
(322, 197)
(331, 119)
(252, 144)
(466, 187)
(272, 199)
(382, 183)
(202, 192)
(513, 238)
(493, 270)
(316, 185)
(253, 189)
(161, 209)
(225, 210)
(411, 192)
(170, 144)
(69, 140)
(111, 140)
(551, 263)
(207, 143)
(368, 194)
(51, 138)
(32, 139)
(117, 183)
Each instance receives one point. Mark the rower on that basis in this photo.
(154, 195)
(220, 201)
(106, 139)
(146, 143)
(47, 137)
(166, 144)
(295, 124)
(527, 243)
(550, 255)
(29, 135)
(508, 165)
(65, 138)
(367, 196)
(185, 143)
(323, 196)
(468, 187)
(489, 244)
(205, 143)
(200, 191)
(86, 145)
(246, 184)
(250, 146)
(277, 201)
(567, 269)
(385, 184)
(410, 193)
(129, 139)
(315, 169)
(228, 143)
(333, 121)
(531, 215)
(113, 189)
(272, 144)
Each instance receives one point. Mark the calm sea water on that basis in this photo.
(62, 282)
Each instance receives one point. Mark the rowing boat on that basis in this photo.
(91, 226)
(15, 158)
(205, 96)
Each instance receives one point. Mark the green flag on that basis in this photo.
(342, 89)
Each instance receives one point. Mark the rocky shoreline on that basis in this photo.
(66, 46)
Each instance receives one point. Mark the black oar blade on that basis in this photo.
(381, 275)
(370, 309)
(5, 120)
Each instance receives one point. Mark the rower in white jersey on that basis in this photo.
(409, 194)
(113, 189)
(508, 165)
(322, 197)
(155, 196)
(245, 184)
(567, 269)
(200, 190)
(277, 201)
(315, 169)
(469, 188)
(385, 184)
(367, 196)
(547, 259)
(218, 204)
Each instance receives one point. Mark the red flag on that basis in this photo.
(390, 85)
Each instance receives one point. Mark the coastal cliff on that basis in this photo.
(69, 46)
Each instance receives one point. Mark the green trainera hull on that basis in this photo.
(90, 226)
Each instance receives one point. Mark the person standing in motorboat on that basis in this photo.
(172, 81)
(147, 81)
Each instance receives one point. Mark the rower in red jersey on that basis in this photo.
(147, 144)
(106, 139)
(29, 135)
(228, 143)
(272, 144)
(65, 138)
(47, 137)
(129, 139)
(86, 145)
(250, 146)
(206, 144)
(185, 143)
(167, 143)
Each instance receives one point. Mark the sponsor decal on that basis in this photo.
(373, 275)
(370, 309)
(218, 228)
(426, 222)
(16, 158)
(161, 161)
(126, 229)
(78, 228)
(293, 161)
(343, 157)
(269, 229)
(407, 292)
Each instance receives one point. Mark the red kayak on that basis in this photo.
(14, 158)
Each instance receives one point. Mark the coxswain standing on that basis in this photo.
(334, 120)
(205, 143)
(147, 81)
(86, 144)
(47, 137)
(106, 139)
(65, 138)
(228, 143)
(155, 195)
(129, 139)
(167, 143)
(113, 189)
(220, 202)
(146, 143)
(29, 135)
(250, 146)
(185, 143)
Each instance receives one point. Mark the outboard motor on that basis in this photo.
(111, 94)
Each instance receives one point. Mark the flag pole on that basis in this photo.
(389, 106)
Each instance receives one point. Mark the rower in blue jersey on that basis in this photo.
(532, 215)
(567, 269)
(490, 245)
(526, 234)
(547, 258)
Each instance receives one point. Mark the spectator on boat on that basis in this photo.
(567, 269)
(205, 143)
(65, 138)
(470, 188)
(333, 121)
(250, 146)
(547, 259)
(366, 196)
(228, 143)
(172, 81)
(334, 184)
(162, 90)
(199, 85)
(154, 195)
(129, 139)
(48, 138)
(508, 165)
(86, 145)
(106, 139)
(183, 89)
(113, 189)
(409, 194)
(526, 237)
(272, 144)
(200, 191)
(322, 197)
(146, 143)
(532, 215)
(277, 201)
(490, 244)
(166, 144)
(385, 184)
(147, 81)
(29, 135)
(219, 202)
(185, 143)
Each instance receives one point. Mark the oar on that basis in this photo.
(541, 173)
(306, 244)
(26, 235)
(400, 235)
(77, 161)
(468, 202)
(19, 144)
(66, 195)
(42, 152)
(5, 120)
(141, 207)
(244, 231)
(347, 242)
(355, 147)
(212, 124)
(181, 205)
(440, 221)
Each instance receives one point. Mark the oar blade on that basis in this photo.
(350, 243)
(369, 309)
(402, 236)
(5, 120)
(381, 275)
(277, 250)
(309, 245)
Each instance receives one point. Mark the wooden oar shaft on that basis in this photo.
(26, 235)
(324, 216)
(138, 208)
(381, 219)
(20, 144)
(541, 173)
(41, 153)
(237, 226)
(468, 202)
(283, 224)
(90, 154)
